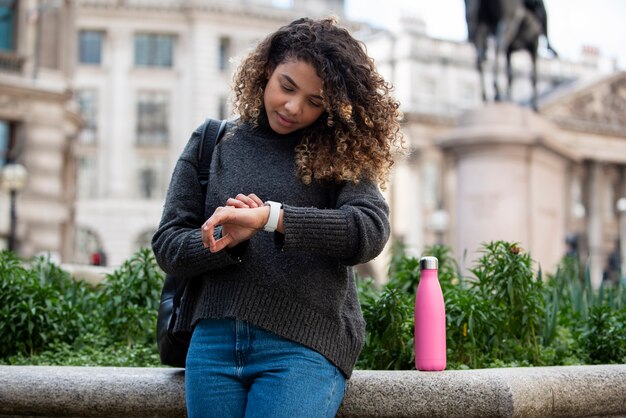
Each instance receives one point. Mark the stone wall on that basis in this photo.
(572, 391)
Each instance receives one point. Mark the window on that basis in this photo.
(87, 245)
(147, 179)
(8, 15)
(87, 180)
(224, 53)
(428, 87)
(152, 118)
(468, 93)
(7, 142)
(576, 197)
(88, 103)
(152, 175)
(153, 50)
(90, 47)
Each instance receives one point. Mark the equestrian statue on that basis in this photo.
(515, 25)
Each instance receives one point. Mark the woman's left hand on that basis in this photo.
(245, 201)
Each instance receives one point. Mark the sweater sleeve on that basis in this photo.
(177, 243)
(355, 231)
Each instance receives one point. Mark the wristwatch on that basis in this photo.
(272, 221)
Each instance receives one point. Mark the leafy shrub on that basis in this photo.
(38, 306)
(48, 318)
(505, 279)
(604, 339)
(128, 299)
(502, 315)
(389, 340)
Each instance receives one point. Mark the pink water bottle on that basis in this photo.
(430, 319)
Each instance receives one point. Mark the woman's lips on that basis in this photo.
(285, 121)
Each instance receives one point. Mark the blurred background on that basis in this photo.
(98, 98)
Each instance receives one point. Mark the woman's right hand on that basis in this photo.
(239, 222)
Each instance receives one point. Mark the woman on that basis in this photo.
(292, 205)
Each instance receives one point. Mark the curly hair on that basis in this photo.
(354, 137)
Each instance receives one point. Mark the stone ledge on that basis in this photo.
(572, 391)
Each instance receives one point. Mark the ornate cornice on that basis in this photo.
(600, 108)
(605, 106)
(189, 7)
(430, 119)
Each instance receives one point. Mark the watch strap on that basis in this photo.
(272, 220)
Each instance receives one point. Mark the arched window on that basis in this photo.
(144, 240)
(88, 247)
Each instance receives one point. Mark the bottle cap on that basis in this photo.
(429, 263)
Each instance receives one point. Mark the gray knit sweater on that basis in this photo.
(299, 285)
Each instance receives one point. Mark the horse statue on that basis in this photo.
(516, 25)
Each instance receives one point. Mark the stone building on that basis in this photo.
(478, 173)
(148, 73)
(38, 124)
(145, 73)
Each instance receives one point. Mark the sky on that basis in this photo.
(572, 24)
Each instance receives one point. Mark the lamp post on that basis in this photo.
(621, 209)
(13, 180)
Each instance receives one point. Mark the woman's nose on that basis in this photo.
(293, 106)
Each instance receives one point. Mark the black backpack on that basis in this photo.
(173, 347)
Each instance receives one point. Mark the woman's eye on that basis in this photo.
(286, 88)
(315, 104)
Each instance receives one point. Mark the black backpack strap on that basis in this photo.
(212, 131)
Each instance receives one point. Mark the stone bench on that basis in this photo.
(572, 391)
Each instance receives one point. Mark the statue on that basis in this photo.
(516, 25)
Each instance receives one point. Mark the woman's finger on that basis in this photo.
(207, 233)
(237, 203)
(248, 200)
(208, 228)
(220, 244)
(256, 200)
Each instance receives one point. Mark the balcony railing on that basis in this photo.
(10, 62)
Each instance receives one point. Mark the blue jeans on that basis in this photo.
(235, 369)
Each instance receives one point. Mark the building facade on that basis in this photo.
(551, 180)
(148, 73)
(38, 124)
(145, 73)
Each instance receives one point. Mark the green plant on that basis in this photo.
(92, 350)
(505, 278)
(604, 339)
(404, 271)
(129, 299)
(470, 326)
(40, 305)
(46, 317)
(494, 318)
(389, 337)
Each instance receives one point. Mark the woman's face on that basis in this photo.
(293, 97)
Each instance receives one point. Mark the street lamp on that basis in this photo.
(13, 180)
(620, 205)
